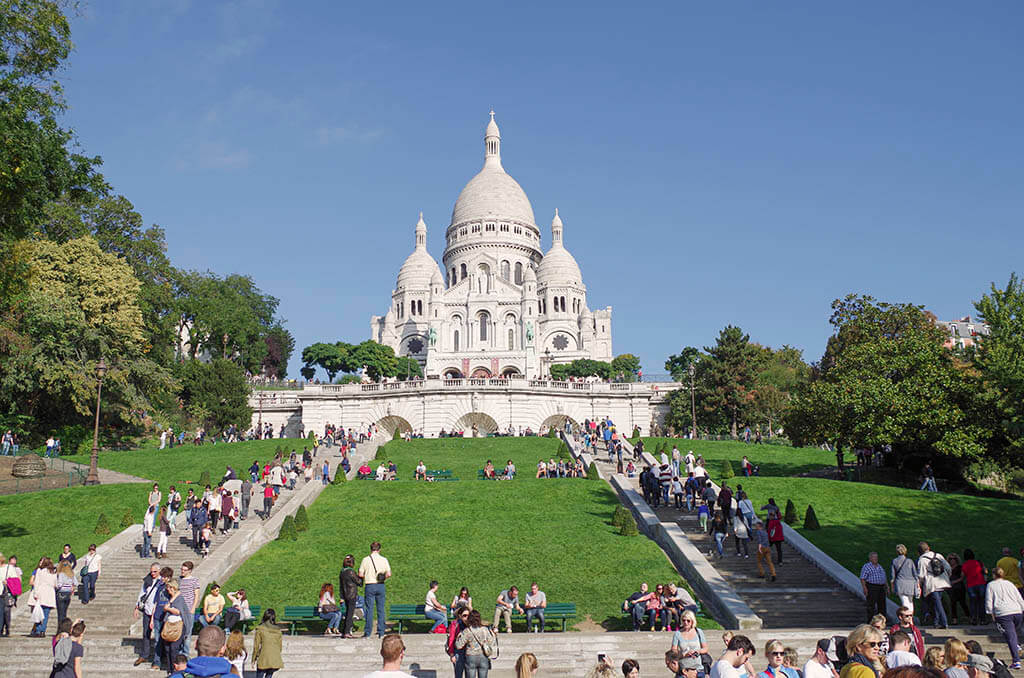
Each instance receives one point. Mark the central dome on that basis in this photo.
(492, 193)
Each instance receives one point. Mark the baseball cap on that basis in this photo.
(980, 662)
(828, 646)
(690, 663)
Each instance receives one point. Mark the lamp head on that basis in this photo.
(101, 369)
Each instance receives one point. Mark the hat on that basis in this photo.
(828, 646)
(690, 663)
(980, 662)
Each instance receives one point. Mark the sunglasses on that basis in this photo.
(778, 654)
(874, 643)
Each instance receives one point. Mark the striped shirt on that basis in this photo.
(188, 587)
(873, 573)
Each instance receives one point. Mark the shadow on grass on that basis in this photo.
(11, 530)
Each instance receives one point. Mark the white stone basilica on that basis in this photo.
(500, 307)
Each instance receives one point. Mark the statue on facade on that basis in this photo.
(529, 332)
(432, 336)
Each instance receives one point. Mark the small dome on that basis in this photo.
(529, 275)
(558, 267)
(419, 268)
(437, 278)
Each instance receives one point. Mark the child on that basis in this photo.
(204, 539)
(180, 663)
(677, 492)
(703, 513)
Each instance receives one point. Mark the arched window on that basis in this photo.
(462, 271)
(511, 339)
(455, 278)
(563, 304)
(504, 270)
(484, 319)
(519, 273)
(455, 341)
(419, 307)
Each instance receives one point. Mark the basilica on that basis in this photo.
(500, 306)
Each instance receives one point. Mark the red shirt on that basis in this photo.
(974, 573)
(268, 492)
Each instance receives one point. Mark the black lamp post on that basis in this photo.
(94, 475)
(693, 403)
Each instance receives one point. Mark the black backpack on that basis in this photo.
(936, 567)
(999, 667)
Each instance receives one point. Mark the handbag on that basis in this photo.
(490, 647)
(37, 609)
(330, 608)
(171, 631)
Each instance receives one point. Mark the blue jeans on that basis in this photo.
(976, 601)
(147, 545)
(374, 595)
(40, 628)
(438, 617)
(938, 612)
(719, 537)
(89, 586)
(188, 621)
(333, 619)
(6, 449)
(1008, 627)
(535, 613)
(929, 485)
(477, 666)
(204, 623)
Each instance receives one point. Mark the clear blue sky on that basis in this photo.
(714, 163)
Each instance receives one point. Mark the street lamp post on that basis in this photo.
(94, 475)
(259, 422)
(693, 404)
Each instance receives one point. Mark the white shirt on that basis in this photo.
(724, 669)
(92, 564)
(388, 674)
(898, 658)
(815, 669)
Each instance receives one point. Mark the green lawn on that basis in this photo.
(774, 460)
(175, 466)
(38, 524)
(485, 535)
(857, 518)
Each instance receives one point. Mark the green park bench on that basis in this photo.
(556, 612)
(303, 614)
(439, 474)
(402, 613)
(256, 611)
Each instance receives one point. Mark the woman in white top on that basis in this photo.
(433, 609)
(240, 601)
(155, 495)
(328, 610)
(1003, 601)
(44, 593)
(463, 599)
(90, 573)
(235, 652)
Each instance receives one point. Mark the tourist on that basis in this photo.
(957, 589)
(719, 530)
(536, 602)
(68, 653)
(905, 624)
(689, 640)
(327, 608)
(165, 531)
(703, 512)
(862, 647)
(630, 469)
(954, 654)
(463, 599)
(148, 523)
(189, 587)
(268, 500)
(66, 583)
(205, 539)
(510, 470)
(900, 654)
(905, 582)
(266, 646)
(476, 639)
(173, 504)
(200, 516)
(348, 586)
(679, 599)
(1006, 606)
(364, 471)
(433, 609)
(155, 495)
(635, 606)
(210, 646)
(145, 606)
(764, 551)
(738, 652)
(214, 505)
(238, 610)
(374, 571)
(44, 594)
(631, 669)
(392, 652)
(682, 666)
(933, 571)
(458, 656)
(213, 606)
(974, 578)
(10, 584)
(879, 621)
(745, 508)
(655, 608)
(820, 664)
(66, 556)
(725, 501)
(527, 665)
(933, 659)
(172, 615)
(775, 654)
(542, 469)
(234, 652)
(979, 666)
(506, 602)
(741, 535)
(928, 474)
(874, 585)
(180, 664)
(1011, 569)
(776, 533)
(93, 565)
(227, 507)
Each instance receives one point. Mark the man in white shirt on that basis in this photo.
(374, 570)
(820, 665)
(536, 601)
(421, 471)
(382, 472)
(933, 571)
(392, 650)
(738, 652)
(675, 459)
(689, 460)
(900, 655)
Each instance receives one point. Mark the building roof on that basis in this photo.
(419, 267)
(558, 267)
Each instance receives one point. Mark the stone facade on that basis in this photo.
(500, 307)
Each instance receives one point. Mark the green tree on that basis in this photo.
(301, 519)
(378, 359)
(331, 358)
(730, 375)
(626, 365)
(783, 373)
(679, 365)
(215, 393)
(406, 367)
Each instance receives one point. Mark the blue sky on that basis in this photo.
(714, 163)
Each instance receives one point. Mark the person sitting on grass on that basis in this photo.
(364, 471)
(510, 470)
(552, 468)
(489, 470)
(542, 469)
(421, 471)
(382, 472)
(392, 470)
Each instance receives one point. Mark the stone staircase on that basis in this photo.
(559, 654)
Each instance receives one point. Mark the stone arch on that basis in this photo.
(558, 421)
(480, 372)
(485, 423)
(510, 371)
(452, 373)
(392, 422)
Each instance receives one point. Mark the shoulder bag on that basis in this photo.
(171, 631)
(488, 647)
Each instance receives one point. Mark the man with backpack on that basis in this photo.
(933, 571)
(210, 663)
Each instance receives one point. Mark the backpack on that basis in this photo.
(936, 567)
(999, 668)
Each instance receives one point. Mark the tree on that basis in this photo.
(329, 357)
(216, 393)
(406, 367)
(784, 372)
(732, 365)
(679, 365)
(280, 346)
(627, 365)
(378, 359)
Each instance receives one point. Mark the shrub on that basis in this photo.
(563, 451)
(339, 476)
(397, 435)
(127, 520)
(636, 433)
(301, 519)
(204, 478)
(811, 520)
(102, 525)
(628, 528)
(592, 471)
(552, 433)
(380, 456)
(619, 516)
(727, 471)
(288, 531)
(790, 514)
